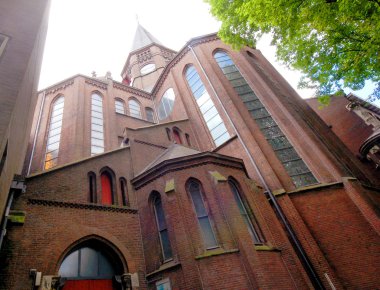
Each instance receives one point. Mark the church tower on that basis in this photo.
(146, 61)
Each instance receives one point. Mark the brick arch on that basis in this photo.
(86, 234)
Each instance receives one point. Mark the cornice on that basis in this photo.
(88, 206)
(131, 90)
(182, 52)
(185, 162)
(97, 84)
(60, 86)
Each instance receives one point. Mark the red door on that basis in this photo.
(106, 189)
(88, 285)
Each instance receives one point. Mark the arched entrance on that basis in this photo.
(91, 265)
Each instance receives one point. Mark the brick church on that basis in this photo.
(202, 169)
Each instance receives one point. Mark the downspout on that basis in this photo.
(5, 219)
(298, 247)
(36, 132)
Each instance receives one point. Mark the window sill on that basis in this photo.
(266, 248)
(216, 252)
(168, 265)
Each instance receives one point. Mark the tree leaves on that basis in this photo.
(335, 43)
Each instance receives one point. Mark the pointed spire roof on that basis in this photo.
(143, 38)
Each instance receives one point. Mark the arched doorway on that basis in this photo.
(91, 265)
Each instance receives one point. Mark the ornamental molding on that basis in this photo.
(99, 207)
(193, 43)
(97, 84)
(131, 90)
(60, 87)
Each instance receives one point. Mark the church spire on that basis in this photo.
(143, 38)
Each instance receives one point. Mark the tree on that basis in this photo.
(335, 43)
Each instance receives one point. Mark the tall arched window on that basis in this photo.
(195, 190)
(177, 135)
(209, 112)
(162, 228)
(134, 109)
(107, 188)
(119, 106)
(294, 165)
(188, 139)
(246, 213)
(124, 191)
(92, 186)
(166, 104)
(149, 114)
(54, 134)
(97, 129)
(168, 134)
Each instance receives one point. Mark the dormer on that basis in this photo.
(146, 61)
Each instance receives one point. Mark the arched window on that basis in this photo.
(209, 112)
(107, 188)
(177, 135)
(119, 107)
(166, 104)
(292, 162)
(91, 265)
(147, 68)
(162, 228)
(124, 191)
(149, 114)
(92, 187)
(97, 135)
(168, 134)
(246, 213)
(134, 109)
(188, 139)
(54, 134)
(195, 190)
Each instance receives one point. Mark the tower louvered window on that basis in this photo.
(210, 114)
(294, 165)
(54, 134)
(97, 129)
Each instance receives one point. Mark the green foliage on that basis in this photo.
(335, 43)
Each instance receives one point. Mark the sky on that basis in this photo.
(96, 35)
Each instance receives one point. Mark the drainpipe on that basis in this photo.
(297, 245)
(5, 219)
(36, 132)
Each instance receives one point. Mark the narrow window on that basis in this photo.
(168, 134)
(54, 133)
(92, 187)
(134, 109)
(162, 229)
(119, 107)
(177, 136)
(188, 139)
(124, 191)
(97, 135)
(294, 165)
(149, 114)
(3, 158)
(251, 223)
(194, 188)
(107, 190)
(209, 112)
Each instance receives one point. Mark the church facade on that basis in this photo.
(202, 169)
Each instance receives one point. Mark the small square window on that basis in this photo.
(163, 284)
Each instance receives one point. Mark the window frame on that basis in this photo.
(119, 103)
(206, 216)
(134, 102)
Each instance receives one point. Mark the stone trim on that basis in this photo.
(97, 84)
(216, 252)
(163, 267)
(59, 87)
(112, 208)
(316, 187)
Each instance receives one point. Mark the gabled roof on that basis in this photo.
(174, 151)
(143, 38)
